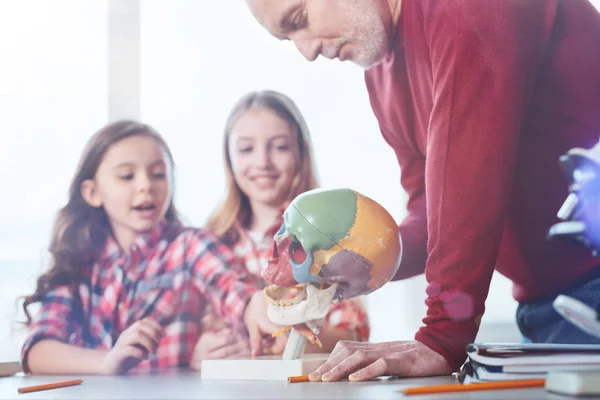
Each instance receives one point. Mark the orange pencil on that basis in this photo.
(49, 386)
(294, 379)
(460, 387)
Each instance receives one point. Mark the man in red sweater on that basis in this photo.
(478, 99)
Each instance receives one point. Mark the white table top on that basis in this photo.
(188, 385)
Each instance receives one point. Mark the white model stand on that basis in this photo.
(270, 368)
(293, 362)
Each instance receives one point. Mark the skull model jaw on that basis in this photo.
(337, 244)
(305, 305)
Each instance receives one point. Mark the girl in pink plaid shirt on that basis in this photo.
(268, 161)
(128, 284)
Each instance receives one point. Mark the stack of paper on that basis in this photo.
(502, 361)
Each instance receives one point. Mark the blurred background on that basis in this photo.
(69, 66)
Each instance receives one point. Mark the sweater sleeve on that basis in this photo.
(413, 229)
(484, 61)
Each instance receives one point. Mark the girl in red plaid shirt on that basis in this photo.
(128, 284)
(268, 162)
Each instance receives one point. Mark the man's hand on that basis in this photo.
(359, 361)
(258, 324)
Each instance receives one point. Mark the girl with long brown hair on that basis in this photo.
(128, 283)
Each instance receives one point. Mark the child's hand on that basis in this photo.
(214, 345)
(133, 345)
(258, 324)
(271, 346)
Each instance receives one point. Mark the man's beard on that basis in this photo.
(369, 37)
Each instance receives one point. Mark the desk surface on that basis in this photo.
(187, 385)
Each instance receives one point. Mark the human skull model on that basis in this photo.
(333, 244)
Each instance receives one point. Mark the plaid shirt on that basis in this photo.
(170, 275)
(254, 250)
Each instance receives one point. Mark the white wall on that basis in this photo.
(53, 95)
(195, 66)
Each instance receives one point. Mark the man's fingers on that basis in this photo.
(349, 365)
(373, 370)
(345, 345)
(333, 361)
(316, 375)
(341, 351)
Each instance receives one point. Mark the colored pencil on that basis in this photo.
(460, 387)
(295, 379)
(48, 386)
